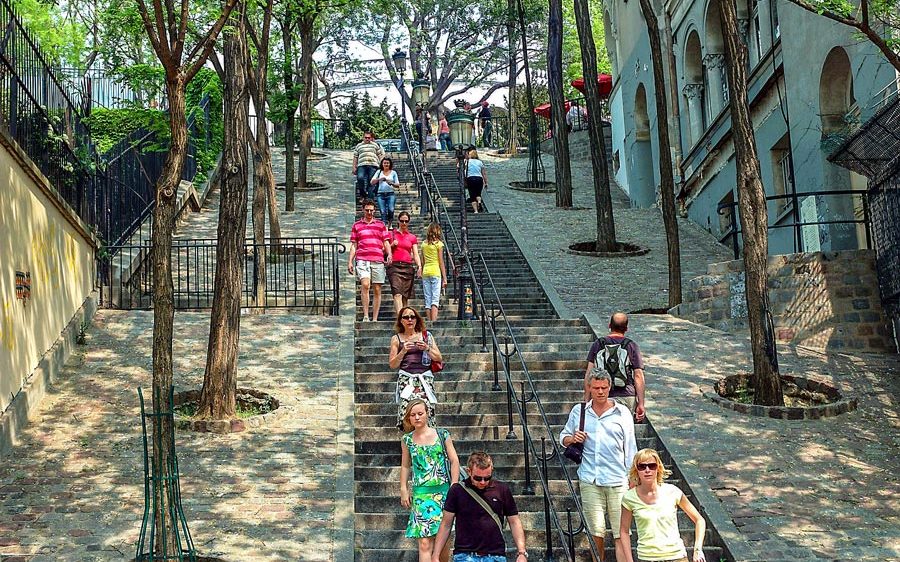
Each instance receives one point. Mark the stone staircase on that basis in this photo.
(553, 349)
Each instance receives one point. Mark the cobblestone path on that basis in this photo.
(72, 490)
(778, 490)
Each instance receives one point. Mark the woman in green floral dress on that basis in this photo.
(430, 455)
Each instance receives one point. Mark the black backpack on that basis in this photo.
(613, 359)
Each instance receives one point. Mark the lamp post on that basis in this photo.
(399, 58)
(421, 92)
(462, 125)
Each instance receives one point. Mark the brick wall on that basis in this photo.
(822, 299)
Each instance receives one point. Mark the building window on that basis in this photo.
(776, 32)
(755, 40)
(726, 95)
(783, 172)
(726, 214)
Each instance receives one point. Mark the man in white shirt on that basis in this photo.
(609, 448)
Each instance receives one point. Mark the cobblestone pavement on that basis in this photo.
(777, 490)
(72, 490)
(585, 283)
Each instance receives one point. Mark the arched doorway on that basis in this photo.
(641, 183)
(692, 91)
(837, 104)
(714, 62)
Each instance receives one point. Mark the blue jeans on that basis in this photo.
(470, 557)
(386, 206)
(364, 185)
(445, 141)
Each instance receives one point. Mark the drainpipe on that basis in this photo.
(674, 106)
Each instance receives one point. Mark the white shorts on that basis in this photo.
(600, 502)
(431, 286)
(373, 270)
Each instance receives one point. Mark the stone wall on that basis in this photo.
(823, 299)
(580, 144)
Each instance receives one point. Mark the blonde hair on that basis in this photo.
(648, 455)
(473, 153)
(407, 426)
(434, 233)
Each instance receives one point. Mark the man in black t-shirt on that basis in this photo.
(487, 123)
(478, 536)
(632, 394)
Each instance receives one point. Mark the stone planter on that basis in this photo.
(624, 250)
(824, 400)
(245, 395)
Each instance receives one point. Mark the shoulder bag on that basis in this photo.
(436, 366)
(483, 504)
(575, 451)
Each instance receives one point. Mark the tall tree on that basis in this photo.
(219, 392)
(878, 22)
(512, 146)
(606, 226)
(307, 27)
(290, 97)
(666, 175)
(166, 25)
(263, 176)
(753, 212)
(558, 106)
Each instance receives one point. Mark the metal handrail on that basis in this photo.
(439, 210)
(797, 224)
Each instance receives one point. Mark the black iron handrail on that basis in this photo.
(797, 224)
(439, 211)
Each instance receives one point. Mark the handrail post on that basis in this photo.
(548, 532)
(496, 386)
(866, 219)
(511, 432)
(570, 534)
(528, 490)
(483, 329)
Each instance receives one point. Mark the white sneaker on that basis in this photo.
(366, 319)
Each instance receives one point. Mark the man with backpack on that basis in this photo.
(621, 358)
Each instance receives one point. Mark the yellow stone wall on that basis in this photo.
(36, 237)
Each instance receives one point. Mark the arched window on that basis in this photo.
(692, 90)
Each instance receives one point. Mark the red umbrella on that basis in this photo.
(543, 110)
(603, 80)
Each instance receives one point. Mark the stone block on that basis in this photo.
(865, 330)
(843, 292)
(877, 343)
(863, 291)
(861, 304)
(786, 334)
(705, 293)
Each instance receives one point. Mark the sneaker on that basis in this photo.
(366, 319)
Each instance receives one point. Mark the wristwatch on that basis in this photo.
(525, 554)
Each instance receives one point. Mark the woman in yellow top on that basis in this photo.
(434, 272)
(654, 506)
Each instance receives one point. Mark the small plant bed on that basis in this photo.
(623, 250)
(310, 186)
(254, 409)
(804, 399)
(650, 310)
(504, 153)
(532, 187)
(146, 558)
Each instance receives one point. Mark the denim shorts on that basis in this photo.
(431, 286)
(471, 557)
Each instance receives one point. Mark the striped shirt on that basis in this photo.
(369, 238)
(368, 154)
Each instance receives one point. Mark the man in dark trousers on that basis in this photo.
(487, 124)
(478, 532)
(630, 389)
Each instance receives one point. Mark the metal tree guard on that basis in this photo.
(159, 498)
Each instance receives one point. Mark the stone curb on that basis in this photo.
(561, 308)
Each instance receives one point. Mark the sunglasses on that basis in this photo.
(369, 210)
(482, 478)
(408, 317)
(404, 221)
(647, 466)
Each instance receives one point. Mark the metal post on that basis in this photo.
(496, 386)
(483, 329)
(548, 554)
(466, 310)
(528, 490)
(570, 534)
(511, 433)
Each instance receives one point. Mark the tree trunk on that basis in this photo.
(753, 215)
(164, 215)
(561, 161)
(606, 226)
(513, 146)
(258, 215)
(218, 395)
(287, 39)
(667, 180)
(307, 46)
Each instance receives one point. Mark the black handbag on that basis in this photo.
(575, 451)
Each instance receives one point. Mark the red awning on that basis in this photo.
(603, 80)
(543, 110)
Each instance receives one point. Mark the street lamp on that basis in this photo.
(399, 58)
(462, 125)
(421, 92)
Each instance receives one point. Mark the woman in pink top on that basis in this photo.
(444, 132)
(406, 264)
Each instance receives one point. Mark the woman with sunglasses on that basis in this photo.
(654, 506)
(387, 180)
(429, 455)
(405, 262)
(411, 353)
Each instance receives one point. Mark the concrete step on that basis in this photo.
(484, 363)
(367, 554)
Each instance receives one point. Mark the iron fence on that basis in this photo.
(884, 201)
(300, 273)
(803, 227)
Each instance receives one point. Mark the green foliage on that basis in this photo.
(62, 41)
(109, 126)
(572, 47)
(362, 115)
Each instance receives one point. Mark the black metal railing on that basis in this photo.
(497, 329)
(301, 273)
(797, 222)
(42, 116)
